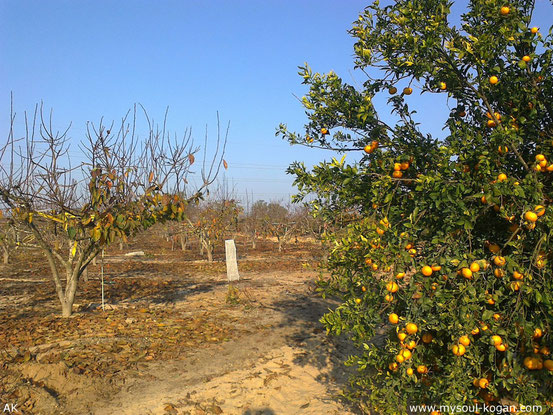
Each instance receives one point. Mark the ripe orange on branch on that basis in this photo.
(426, 271)
(411, 328)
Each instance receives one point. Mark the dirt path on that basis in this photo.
(283, 364)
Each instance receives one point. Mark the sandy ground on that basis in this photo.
(286, 365)
(279, 360)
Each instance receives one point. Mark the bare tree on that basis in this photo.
(125, 184)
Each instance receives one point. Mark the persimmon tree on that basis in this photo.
(121, 185)
(450, 261)
(11, 237)
(214, 219)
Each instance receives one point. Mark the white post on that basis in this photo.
(102, 274)
(232, 265)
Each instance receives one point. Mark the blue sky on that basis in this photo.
(88, 59)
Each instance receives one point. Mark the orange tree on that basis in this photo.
(75, 210)
(446, 279)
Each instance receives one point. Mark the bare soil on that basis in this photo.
(173, 338)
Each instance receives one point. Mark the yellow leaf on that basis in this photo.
(191, 158)
(225, 164)
(74, 249)
(151, 178)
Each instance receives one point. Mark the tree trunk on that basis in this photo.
(208, 248)
(280, 243)
(183, 242)
(5, 255)
(121, 245)
(202, 248)
(254, 243)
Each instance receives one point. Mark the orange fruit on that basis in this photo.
(324, 131)
(393, 318)
(501, 347)
(475, 331)
(501, 177)
(494, 248)
(426, 271)
(427, 338)
(517, 275)
(496, 340)
(526, 58)
(548, 364)
(436, 268)
(540, 210)
(467, 273)
(400, 358)
(483, 383)
(410, 371)
(493, 80)
(392, 287)
(411, 344)
(491, 123)
(400, 275)
(540, 157)
(499, 261)
(499, 273)
(530, 216)
(442, 85)
(534, 30)
(407, 91)
(393, 366)
(411, 328)
(401, 336)
(392, 90)
(397, 174)
(405, 165)
(474, 267)
(533, 363)
(537, 333)
(458, 350)
(406, 354)
(504, 11)
(422, 369)
(389, 298)
(464, 340)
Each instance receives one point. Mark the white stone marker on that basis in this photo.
(232, 265)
